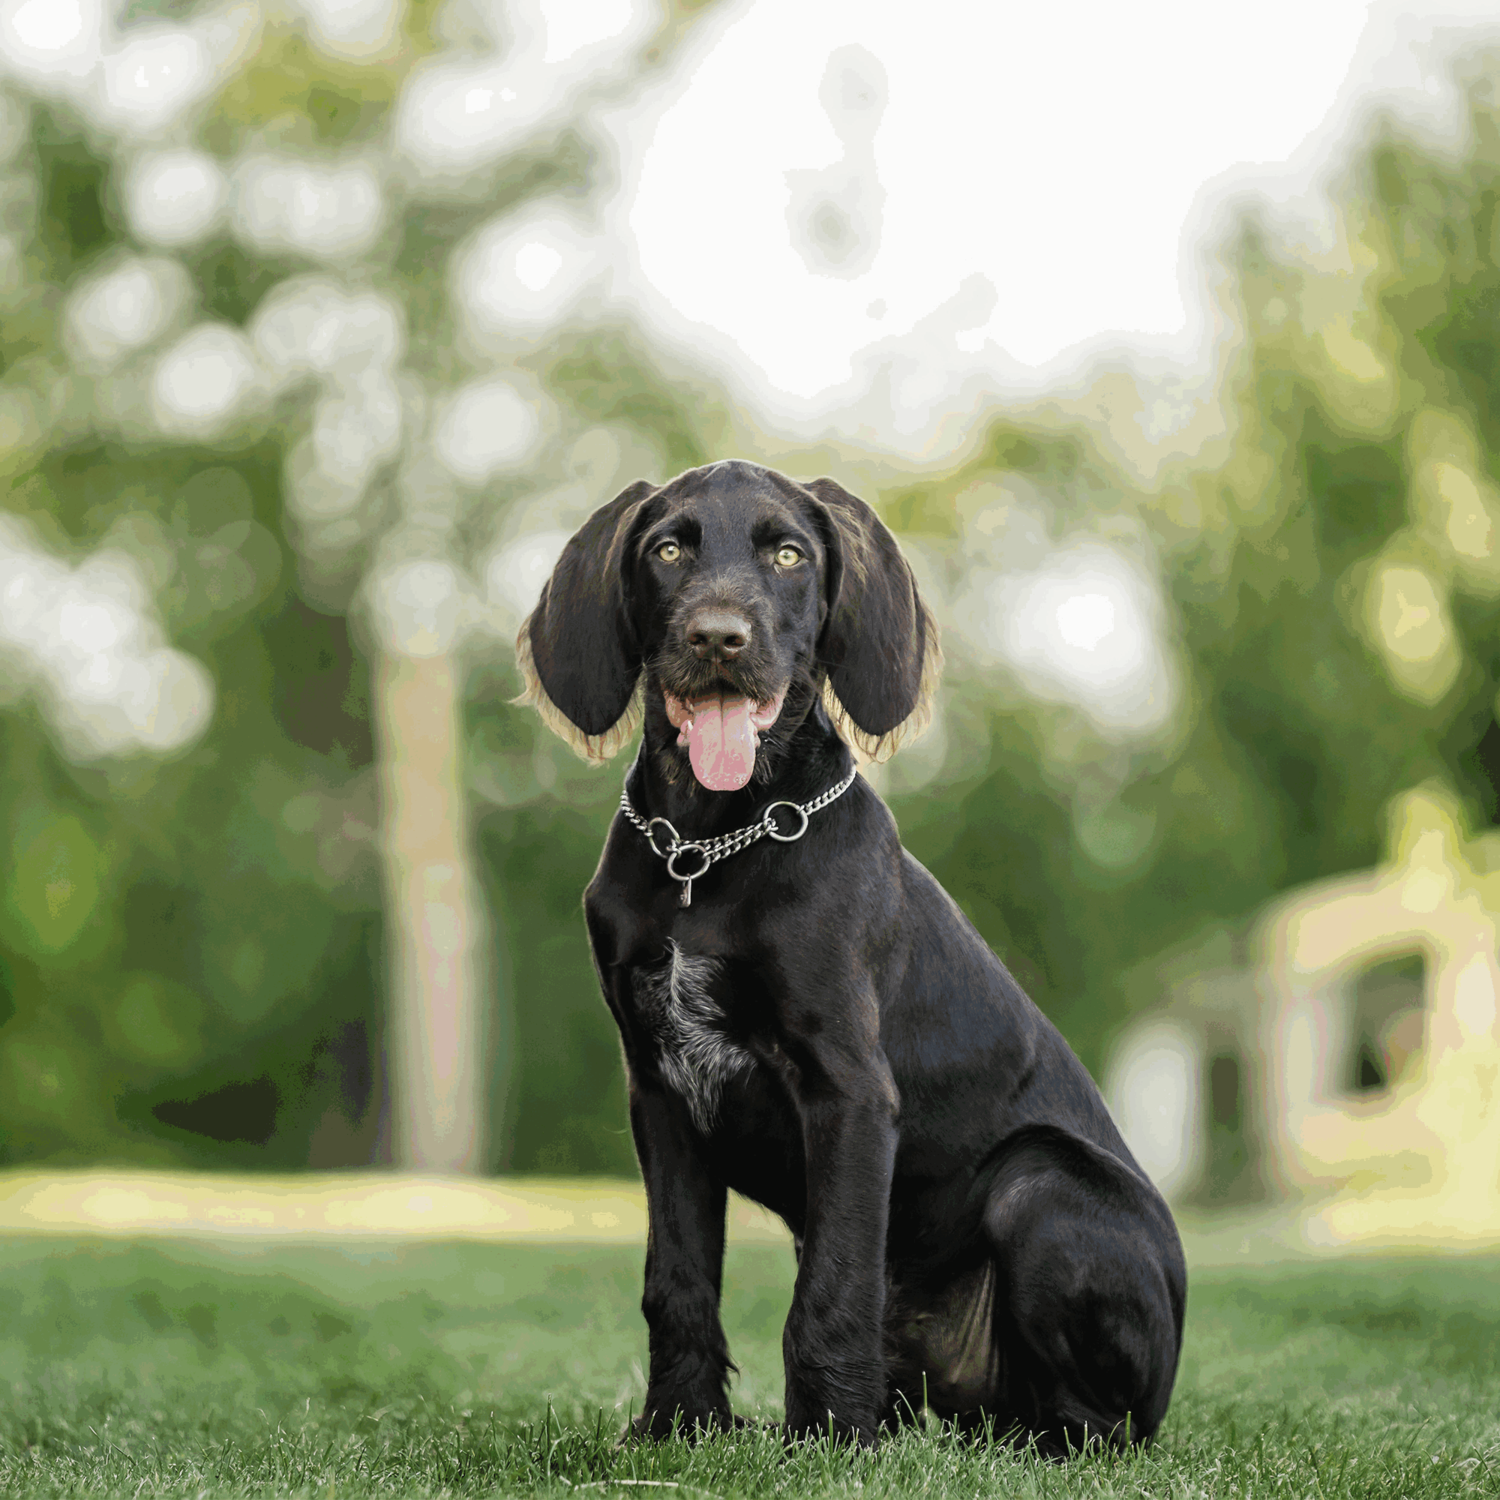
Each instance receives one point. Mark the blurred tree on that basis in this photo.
(330, 471)
(1333, 578)
(195, 937)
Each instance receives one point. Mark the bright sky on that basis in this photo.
(813, 194)
(1073, 155)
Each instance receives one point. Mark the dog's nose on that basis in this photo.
(718, 635)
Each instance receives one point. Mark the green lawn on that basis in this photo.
(180, 1369)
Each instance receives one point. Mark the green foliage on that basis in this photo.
(72, 223)
(466, 1369)
(607, 377)
(177, 926)
(192, 944)
(1362, 420)
(206, 927)
(569, 1109)
(231, 282)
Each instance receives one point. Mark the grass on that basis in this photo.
(194, 1369)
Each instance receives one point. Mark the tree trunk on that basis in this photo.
(436, 933)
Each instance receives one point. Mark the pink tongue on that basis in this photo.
(721, 743)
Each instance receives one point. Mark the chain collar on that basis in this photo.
(710, 851)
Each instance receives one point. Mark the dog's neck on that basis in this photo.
(796, 761)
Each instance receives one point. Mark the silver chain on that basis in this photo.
(711, 851)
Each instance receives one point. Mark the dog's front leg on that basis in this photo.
(684, 1266)
(832, 1344)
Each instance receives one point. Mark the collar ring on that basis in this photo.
(677, 854)
(673, 837)
(775, 833)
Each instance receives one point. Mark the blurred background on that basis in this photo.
(1168, 342)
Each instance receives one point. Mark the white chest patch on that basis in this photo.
(696, 1056)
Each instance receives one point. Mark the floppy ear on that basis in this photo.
(880, 642)
(577, 651)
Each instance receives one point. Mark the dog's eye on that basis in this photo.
(788, 556)
(669, 552)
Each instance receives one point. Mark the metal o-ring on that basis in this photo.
(775, 833)
(678, 852)
(651, 837)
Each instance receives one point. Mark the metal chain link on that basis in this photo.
(711, 851)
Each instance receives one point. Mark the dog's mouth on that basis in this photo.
(721, 731)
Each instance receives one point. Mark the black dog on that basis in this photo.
(808, 1018)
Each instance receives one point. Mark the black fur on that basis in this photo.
(971, 1228)
(581, 633)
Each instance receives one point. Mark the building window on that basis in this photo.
(1387, 1020)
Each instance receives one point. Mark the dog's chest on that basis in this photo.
(680, 1002)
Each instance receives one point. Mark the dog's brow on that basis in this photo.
(680, 526)
(779, 526)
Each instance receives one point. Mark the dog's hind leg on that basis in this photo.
(1090, 1292)
(940, 1347)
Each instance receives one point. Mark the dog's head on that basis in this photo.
(735, 596)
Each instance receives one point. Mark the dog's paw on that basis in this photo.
(660, 1424)
(843, 1434)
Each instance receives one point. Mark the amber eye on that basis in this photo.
(788, 556)
(669, 552)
